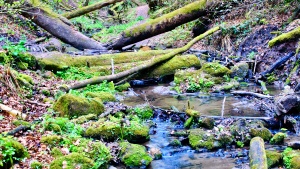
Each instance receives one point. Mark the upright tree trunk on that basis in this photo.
(58, 27)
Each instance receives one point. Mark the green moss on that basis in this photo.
(177, 62)
(143, 113)
(188, 123)
(278, 138)
(46, 92)
(104, 96)
(72, 161)
(36, 165)
(227, 86)
(240, 70)
(11, 151)
(112, 130)
(198, 138)
(52, 140)
(207, 122)
(134, 155)
(74, 106)
(60, 61)
(192, 113)
(215, 69)
(27, 58)
(21, 122)
(23, 79)
(85, 118)
(22, 65)
(175, 143)
(56, 152)
(190, 8)
(263, 132)
(273, 158)
(285, 37)
(225, 139)
(291, 158)
(123, 87)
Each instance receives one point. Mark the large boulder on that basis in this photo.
(257, 154)
(289, 103)
(74, 106)
(72, 160)
(215, 69)
(134, 155)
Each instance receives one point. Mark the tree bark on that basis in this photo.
(167, 22)
(90, 8)
(143, 66)
(56, 25)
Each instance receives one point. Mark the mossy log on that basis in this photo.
(169, 21)
(146, 65)
(294, 34)
(59, 61)
(257, 153)
(58, 26)
(90, 8)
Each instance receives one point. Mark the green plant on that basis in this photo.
(240, 144)
(102, 87)
(15, 49)
(251, 55)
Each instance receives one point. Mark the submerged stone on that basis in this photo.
(75, 106)
(134, 155)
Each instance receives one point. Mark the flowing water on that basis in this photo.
(209, 105)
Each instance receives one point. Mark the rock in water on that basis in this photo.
(258, 158)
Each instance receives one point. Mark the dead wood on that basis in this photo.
(148, 64)
(252, 94)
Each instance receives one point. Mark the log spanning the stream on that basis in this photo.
(144, 66)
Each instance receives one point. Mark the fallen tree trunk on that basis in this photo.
(57, 26)
(90, 8)
(148, 64)
(58, 61)
(252, 94)
(277, 64)
(167, 22)
(294, 34)
(257, 153)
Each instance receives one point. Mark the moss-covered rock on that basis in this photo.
(22, 65)
(240, 70)
(52, 140)
(104, 96)
(135, 132)
(278, 138)
(274, 158)
(199, 138)
(227, 86)
(257, 154)
(36, 165)
(263, 132)
(13, 150)
(177, 62)
(215, 69)
(72, 161)
(75, 106)
(189, 122)
(291, 158)
(175, 143)
(56, 152)
(207, 122)
(27, 58)
(85, 118)
(123, 87)
(134, 155)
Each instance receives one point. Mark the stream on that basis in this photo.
(175, 157)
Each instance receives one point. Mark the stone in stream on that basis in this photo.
(240, 70)
(257, 153)
(278, 138)
(289, 103)
(134, 155)
(273, 157)
(74, 106)
(291, 158)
